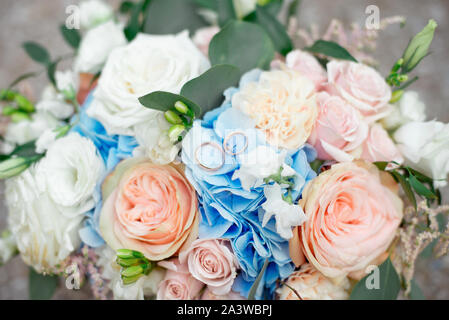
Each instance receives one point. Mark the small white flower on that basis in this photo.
(54, 103)
(258, 164)
(154, 142)
(28, 130)
(286, 215)
(66, 82)
(96, 46)
(7, 247)
(409, 108)
(94, 12)
(425, 147)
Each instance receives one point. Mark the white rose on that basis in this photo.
(70, 171)
(7, 246)
(146, 286)
(409, 108)
(54, 103)
(45, 236)
(311, 284)
(154, 142)
(425, 147)
(259, 163)
(94, 12)
(29, 130)
(149, 63)
(244, 7)
(96, 46)
(286, 215)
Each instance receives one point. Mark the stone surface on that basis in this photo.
(22, 20)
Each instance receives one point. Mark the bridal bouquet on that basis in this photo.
(194, 150)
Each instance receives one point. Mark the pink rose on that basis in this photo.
(379, 146)
(211, 262)
(353, 212)
(360, 85)
(308, 66)
(203, 37)
(208, 295)
(178, 284)
(148, 208)
(339, 130)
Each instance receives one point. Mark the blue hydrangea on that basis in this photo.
(228, 210)
(112, 149)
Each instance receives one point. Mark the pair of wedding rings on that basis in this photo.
(225, 148)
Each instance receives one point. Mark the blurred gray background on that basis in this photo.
(38, 20)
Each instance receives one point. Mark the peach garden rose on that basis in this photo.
(353, 212)
(148, 208)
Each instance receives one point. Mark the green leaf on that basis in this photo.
(273, 28)
(37, 53)
(420, 188)
(126, 6)
(71, 36)
(242, 44)
(51, 70)
(163, 101)
(406, 187)
(23, 77)
(133, 26)
(330, 49)
(41, 287)
(381, 165)
(253, 290)
(418, 47)
(389, 285)
(172, 16)
(207, 89)
(25, 150)
(226, 12)
(420, 176)
(416, 292)
(208, 4)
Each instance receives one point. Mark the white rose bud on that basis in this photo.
(409, 108)
(54, 103)
(94, 12)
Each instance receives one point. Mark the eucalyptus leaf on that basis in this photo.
(164, 101)
(41, 287)
(71, 36)
(207, 89)
(226, 11)
(330, 49)
(406, 187)
(242, 44)
(51, 70)
(172, 16)
(273, 28)
(255, 286)
(420, 188)
(389, 284)
(416, 292)
(25, 150)
(126, 6)
(133, 26)
(37, 53)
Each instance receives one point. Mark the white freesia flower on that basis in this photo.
(259, 163)
(96, 46)
(94, 12)
(154, 142)
(146, 286)
(66, 81)
(70, 171)
(45, 235)
(409, 108)
(149, 63)
(286, 215)
(7, 246)
(54, 103)
(244, 7)
(425, 147)
(47, 138)
(29, 130)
